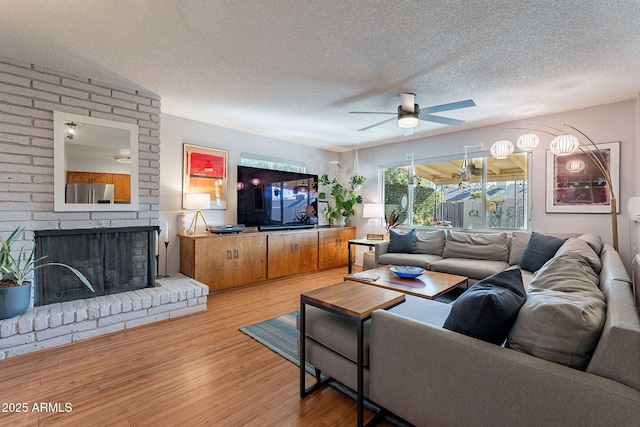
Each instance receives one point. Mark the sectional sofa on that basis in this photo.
(570, 354)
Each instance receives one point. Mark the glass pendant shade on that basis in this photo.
(502, 149)
(575, 165)
(564, 144)
(528, 141)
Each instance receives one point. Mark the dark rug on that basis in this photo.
(280, 335)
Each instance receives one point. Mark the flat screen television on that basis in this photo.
(276, 200)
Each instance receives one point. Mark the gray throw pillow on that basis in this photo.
(488, 309)
(577, 245)
(402, 243)
(540, 249)
(430, 242)
(564, 314)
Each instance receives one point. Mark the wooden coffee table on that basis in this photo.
(430, 285)
(349, 299)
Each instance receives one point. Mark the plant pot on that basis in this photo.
(14, 301)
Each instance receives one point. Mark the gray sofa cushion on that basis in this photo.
(564, 314)
(418, 260)
(580, 246)
(487, 246)
(471, 268)
(519, 240)
(488, 309)
(594, 241)
(540, 249)
(402, 242)
(430, 242)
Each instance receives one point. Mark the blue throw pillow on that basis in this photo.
(540, 249)
(489, 308)
(402, 243)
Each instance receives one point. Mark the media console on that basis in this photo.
(280, 227)
(236, 259)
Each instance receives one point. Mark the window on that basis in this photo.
(264, 162)
(484, 193)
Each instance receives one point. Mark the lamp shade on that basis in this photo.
(372, 210)
(502, 149)
(528, 141)
(197, 201)
(564, 144)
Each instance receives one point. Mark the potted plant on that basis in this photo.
(477, 195)
(15, 289)
(344, 199)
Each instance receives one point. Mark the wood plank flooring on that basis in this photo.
(198, 370)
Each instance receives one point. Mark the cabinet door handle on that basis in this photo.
(237, 253)
(292, 247)
(296, 246)
(229, 254)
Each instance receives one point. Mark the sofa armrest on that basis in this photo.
(382, 247)
(432, 376)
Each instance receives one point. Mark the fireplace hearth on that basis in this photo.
(113, 259)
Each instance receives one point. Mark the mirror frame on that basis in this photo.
(59, 162)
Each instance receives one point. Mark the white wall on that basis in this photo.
(614, 122)
(176, 131)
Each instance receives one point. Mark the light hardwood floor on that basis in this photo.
(198, 370)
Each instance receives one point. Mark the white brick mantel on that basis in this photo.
(63, 323)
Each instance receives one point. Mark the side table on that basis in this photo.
(361, 242)
(350, 299)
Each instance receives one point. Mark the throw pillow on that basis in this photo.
(430, 242)
(576, 245)
(402, 243)
(564, 314)
(540, 249)
(488, 309)
(486, 246)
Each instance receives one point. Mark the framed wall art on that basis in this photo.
(205, 170)
(575, 184)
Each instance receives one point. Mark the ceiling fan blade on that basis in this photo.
(371, 112)
(378, 124)
(408, 101)
(408, 131)
(448, 107)
(441, 120)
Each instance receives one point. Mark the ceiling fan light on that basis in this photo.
(408, 120)
(502, 149)
(575, 165)
(564, 144)
(528, 141)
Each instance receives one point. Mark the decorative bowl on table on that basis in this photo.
(407, 271)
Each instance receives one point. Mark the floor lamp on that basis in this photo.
(197, 201)
(564, 144)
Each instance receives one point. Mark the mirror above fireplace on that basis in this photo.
(95, 164)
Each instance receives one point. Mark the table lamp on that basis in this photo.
(373, 211)
(197, 201)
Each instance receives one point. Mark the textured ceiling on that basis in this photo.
(293, 69)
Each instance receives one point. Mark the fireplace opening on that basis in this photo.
(113, 260)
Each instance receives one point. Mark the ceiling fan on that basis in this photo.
(409, 113)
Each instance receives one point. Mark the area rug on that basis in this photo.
(281, 336)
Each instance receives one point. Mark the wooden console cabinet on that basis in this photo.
(224, 261)
(228, 260)
(333, 246)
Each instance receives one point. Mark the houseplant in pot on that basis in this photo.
(344, 198)
(15, 288)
